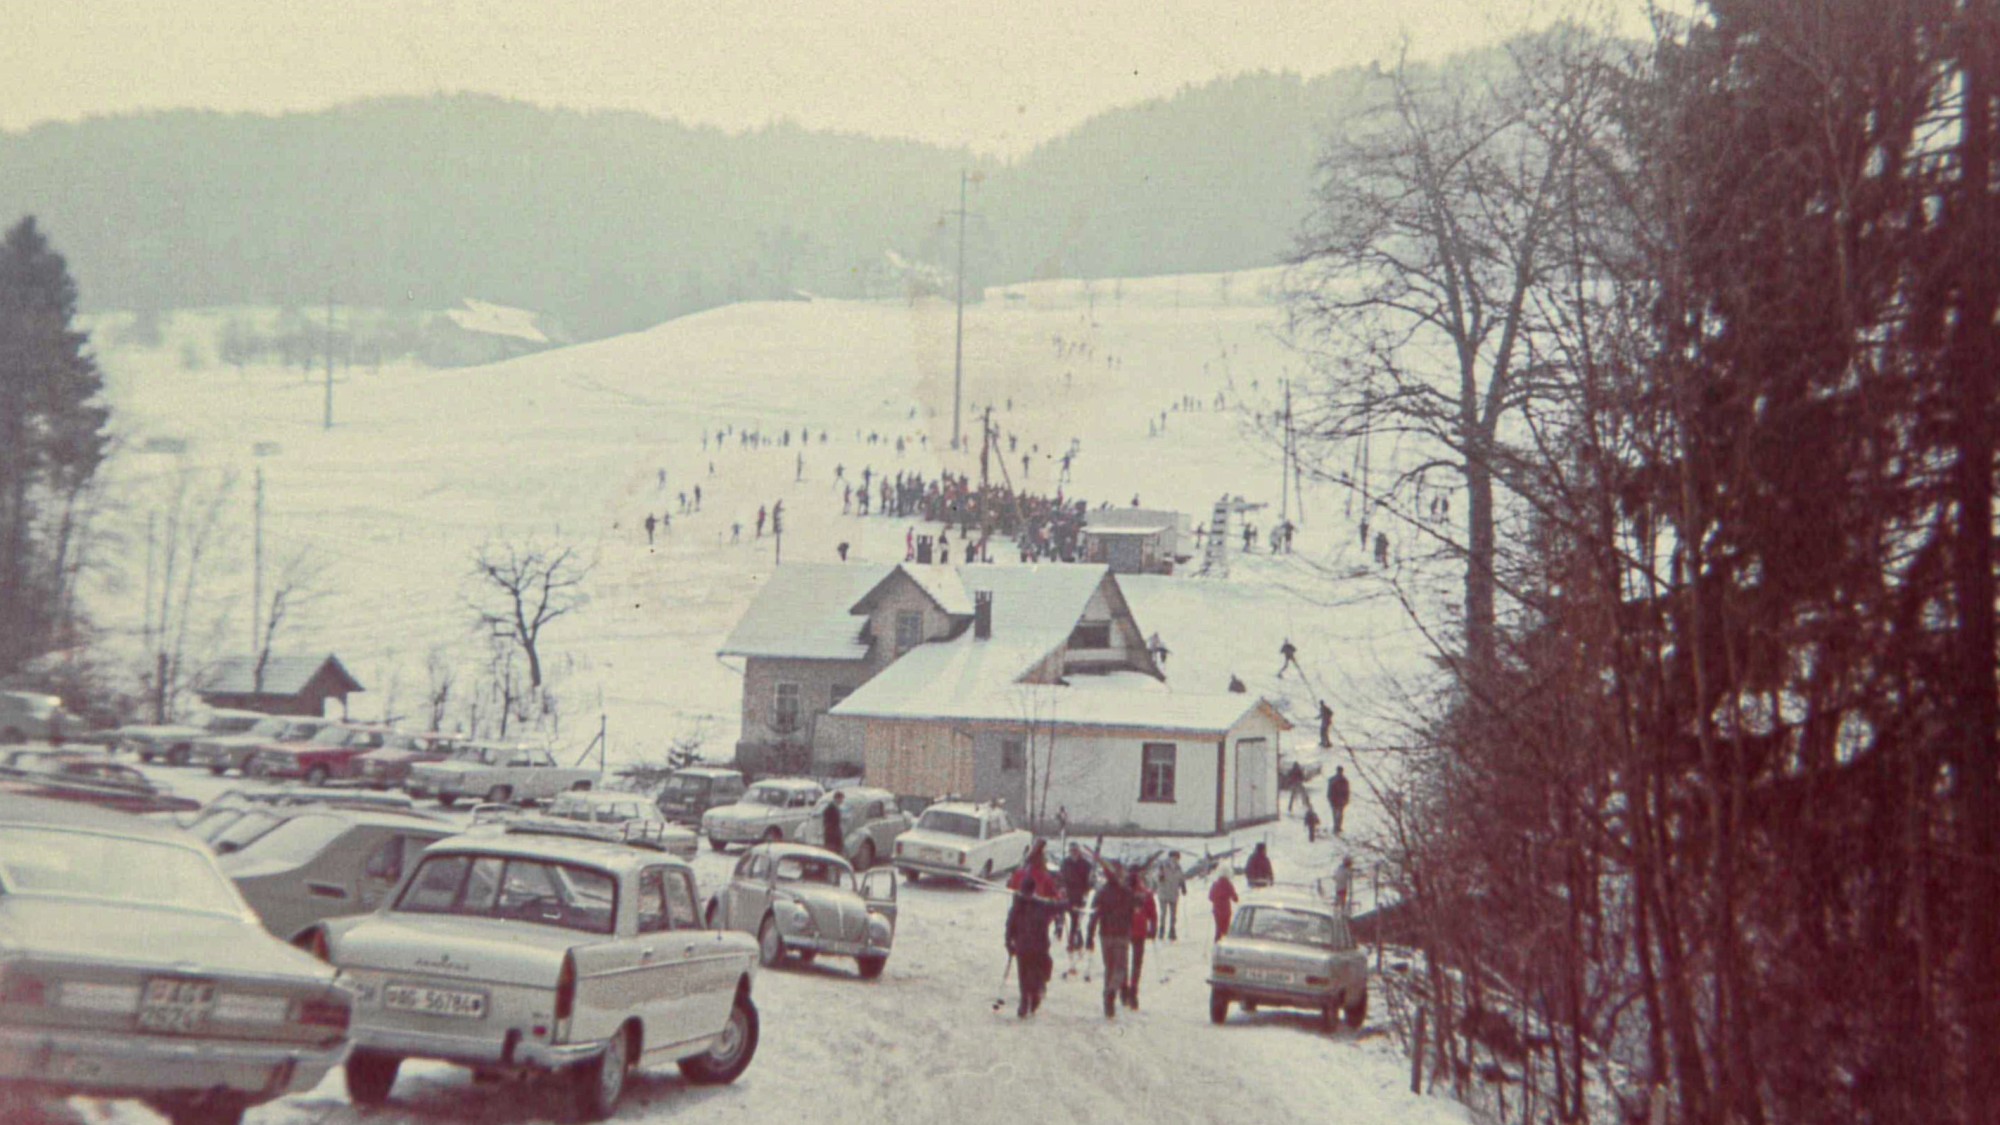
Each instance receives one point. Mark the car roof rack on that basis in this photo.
(634, 833)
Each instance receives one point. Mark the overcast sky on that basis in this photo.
(999, 76)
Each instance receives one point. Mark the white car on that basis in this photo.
(623, 816)
(806, 901)
(775, 809)
(521, 953)
(173, 743)
(1289, 948)
(130, 967)
(961, 840)
(497, 775)
(870, 822)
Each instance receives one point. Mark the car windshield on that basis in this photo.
(773, 795)
(231, 724)
(1277, 924)
(212, 821)
(296, 840)
(252, 824)
(300, 732)
(269, 728)
(802, 869)
(521, 890)
(332, 736)
(63, 863)
(681, 785)
(950, 823)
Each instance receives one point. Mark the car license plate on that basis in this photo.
(1268, 976)
(435, 1001)
(177, 1007)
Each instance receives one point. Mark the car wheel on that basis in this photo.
(807, 956)
(218, 771)
(203, 1112)
(596, 1086)
(871, 967)
(178, 756)
(770, 947)
(1357, 1012)
(446, 802)
(1329, 1017)
(865, 859)
(718, 845)
(733, 1049)
(144, 755)
(909, 876)
(580, 787)
(498, 795)
(316, 777)
(370, 1074)
(774, 834)
(1218, 1005)
(1249, 1005)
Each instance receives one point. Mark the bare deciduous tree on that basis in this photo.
(298, 586)
(519, 588)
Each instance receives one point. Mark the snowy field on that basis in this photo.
(567, 446)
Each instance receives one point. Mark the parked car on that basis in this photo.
(173, 743)
(774, 809)
(692, 791)
(524, 953)
(28, 714)
(332, 754)
(870, 823)
(90, 777)
(498, 775)
(804, 900)
(961, 840)
(205, 1016)
(220, 753)
(1289, 948)
(624, 816)
(327, 861)
(388, 766)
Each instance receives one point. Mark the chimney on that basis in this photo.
(982, 614)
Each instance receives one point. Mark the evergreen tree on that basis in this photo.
(52, 439)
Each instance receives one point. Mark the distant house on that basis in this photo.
(289, 685)
(1134, 540)
(1032, 685)
(482, 332)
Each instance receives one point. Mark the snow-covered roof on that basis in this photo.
(958, 696)
(942, 585)
(1134, 532)
(497, 320)
(283, 675)
(802, 613)
(1150, 518)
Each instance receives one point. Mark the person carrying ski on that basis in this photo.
(1168, 883)
(1076, 883)
(1145, 926)
(1291, 654)
(1258, 869)
(762, 515)
(1114, 905)
(1036, 902)
(1337, 793)
(1222, 900)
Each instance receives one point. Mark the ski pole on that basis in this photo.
(1000, 1000)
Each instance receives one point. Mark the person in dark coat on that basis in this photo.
(1036, 902)
(1295, 785)
(651, 523)
(1222, 901)
(1337, 792)
(1115, 905)
(1145, 926)
(1076, 883)
(1312, 822)
(831, 830)
(1325, 725)
(1258, 869)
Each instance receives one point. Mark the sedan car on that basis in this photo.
(497, 774)
(526, 954)
(1289, 948)
(327, 861)
(220, 753)
(173, 743)
(804, 900)
(960, 840)
(389, 766)
(694, 790)
(623, 816)
(29, 714)
(870, 823)
(332, 754)
(131, 968)
(774, 809)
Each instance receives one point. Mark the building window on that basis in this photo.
(1013, 755)
(1156, 772)
(1091, 635)
(839, 692)
(786, 718)
(909, 630)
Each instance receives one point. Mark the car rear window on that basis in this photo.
(523, 890)
(1296, 926)
(296, 840)
(65, 864)
(950, 823)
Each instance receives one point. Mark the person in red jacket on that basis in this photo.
(1222, 899)
(1036, 904)
(1145, 924)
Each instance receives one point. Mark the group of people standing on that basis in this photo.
(1103, 906)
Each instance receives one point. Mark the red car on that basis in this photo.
(334, 753)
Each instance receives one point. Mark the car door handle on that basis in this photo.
(327, 890)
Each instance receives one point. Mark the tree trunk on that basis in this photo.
(1479, 620)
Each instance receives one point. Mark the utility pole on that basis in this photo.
(257, 590)
(328, 424)
(1285, 470)
(958, 347)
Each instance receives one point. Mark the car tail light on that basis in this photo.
(1317, 981)
(1225, 970)
(26, 991)
(566, 988)
(324, 1013)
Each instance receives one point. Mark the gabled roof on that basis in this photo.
(1103, 519)
(941, 584)
(962, 699)
(802, 613)
(283, 675)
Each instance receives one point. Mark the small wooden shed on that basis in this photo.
(288, 685)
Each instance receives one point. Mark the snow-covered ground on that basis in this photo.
(568, 445)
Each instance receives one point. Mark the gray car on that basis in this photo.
(173, 743)
(220, 753)
(326, 861)
(805, 901)
(1288, 947)
(870, 822)
(27, 714)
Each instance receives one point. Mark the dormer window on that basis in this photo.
(1091, 635)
